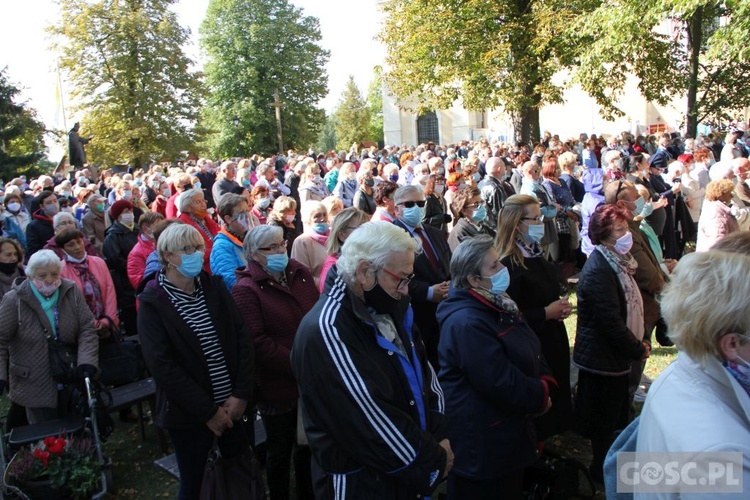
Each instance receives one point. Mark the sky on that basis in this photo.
(348, 30)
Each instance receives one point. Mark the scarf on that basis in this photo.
(502, 301)
(740, 377)
(320, 238)
(202, 226)
(625, 266)
(49, 306)
(92, 292)
(529, 250)
(653, 241)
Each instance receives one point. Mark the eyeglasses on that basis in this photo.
(620, 185)
(534, 219)
(409, 204)
(476, 205)
(276, 248)
(191, 249)
(401, 281)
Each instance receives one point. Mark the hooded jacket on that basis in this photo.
(38, 232)
(227, 256)
(24, 328)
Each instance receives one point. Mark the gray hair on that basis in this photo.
(43, 258)
(720, 170)
(176, 237)
(707, 296)
(259, 237)
(373, 242)
(310, 207)
(60, 216)
(404, 191)
(228, 202)
(468, 259)
(186, 198)
(263, 168)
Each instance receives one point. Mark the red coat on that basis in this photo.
(137, 260)
(213, 228)
(160, 206)
(273, 314)
(170, 212)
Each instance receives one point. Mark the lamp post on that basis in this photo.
(236, 121)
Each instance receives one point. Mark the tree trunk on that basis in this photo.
(694, 40)
(526, 125)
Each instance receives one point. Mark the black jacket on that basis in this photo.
(464, 230)
(494, 194)
(604, 344)
(118, 242)
(174, 356)
(38, 233)
(436, 212)
(374, 418)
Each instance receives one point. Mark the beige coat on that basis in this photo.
(23, 343)
(93, 227)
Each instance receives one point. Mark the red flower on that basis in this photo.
(49, 441)
(57, 447)
(42, 455)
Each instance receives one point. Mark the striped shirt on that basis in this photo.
(193, 309)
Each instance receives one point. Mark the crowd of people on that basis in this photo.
(395, 316)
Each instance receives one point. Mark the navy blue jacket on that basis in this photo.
(494, 379)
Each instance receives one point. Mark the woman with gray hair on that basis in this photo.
(493, 374)
(92, 223)
(43, 305)
(193, 211)
(61, 222)
(274, 293)
(701, 402)
(197, 349)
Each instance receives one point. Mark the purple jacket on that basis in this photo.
(593, 183)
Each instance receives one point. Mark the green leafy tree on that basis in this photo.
(21, 133)
(486, 54)
(375, 105)
(674, 48)
(130, 77)
(327, 138)
(352, 117)
(254, 48)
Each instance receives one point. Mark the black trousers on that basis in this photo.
(281, 448)
(508, 487)
(191, 447)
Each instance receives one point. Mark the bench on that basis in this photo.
(136, 393)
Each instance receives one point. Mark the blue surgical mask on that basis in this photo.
(320, 227)
(413, 216)
(639, 204)
(476, 177)
(393, 178)
(535, 235)
(264, 203)
(277, 262)
(500, 281)
(246, 182)
(191, 265)
(624, 243)
(479, 213)
(197, 185)
(648, 209)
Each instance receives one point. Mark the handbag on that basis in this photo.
(63, 361)
(120, 359)
(554, 477)
(236, 478)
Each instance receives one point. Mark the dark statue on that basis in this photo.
(77, 153)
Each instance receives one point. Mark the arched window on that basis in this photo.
(427, 128)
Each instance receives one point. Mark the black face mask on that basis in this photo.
(8, 268)
(380, 300)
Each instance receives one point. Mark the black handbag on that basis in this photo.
(554, 477)
(120, 359)
(236, 478)
(63, 361)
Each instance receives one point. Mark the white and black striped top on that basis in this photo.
(194, 310)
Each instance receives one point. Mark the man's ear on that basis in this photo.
(361, 272)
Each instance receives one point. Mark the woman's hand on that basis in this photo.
(648, 350)
(235, 407)
(558, 310)
(219, 422)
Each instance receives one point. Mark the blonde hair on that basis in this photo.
(716, 189)
(507, 224)
(351, 217)
(707, 297)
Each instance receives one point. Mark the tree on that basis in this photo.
(352, 117)
(375, 105)
(486, 54)
(255, 47)
(21, 133)
(674, 48)
(130, 77)
(327, 138)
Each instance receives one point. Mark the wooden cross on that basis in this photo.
(278, 105)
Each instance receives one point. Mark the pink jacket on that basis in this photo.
(716, 221)
(100, 271)
(137, 260)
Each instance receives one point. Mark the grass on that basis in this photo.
(136, 477)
